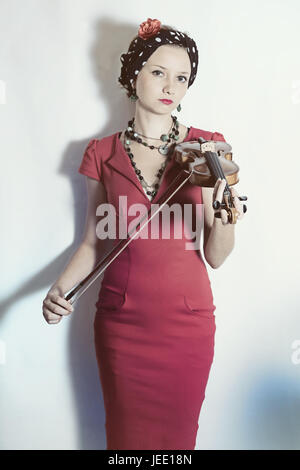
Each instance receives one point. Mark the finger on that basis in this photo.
(216, 187)
(237, 203)
(219, 190)
(50, 316)
(58, 300)
(57, 309)
(53, 322)
(51, 308)
(234, 193)
(239, 208)
(224, 217)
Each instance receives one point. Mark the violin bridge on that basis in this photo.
(208, 147)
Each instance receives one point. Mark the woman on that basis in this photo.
(154, 325)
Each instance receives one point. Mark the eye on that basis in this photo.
(157, 71)
(181, 76)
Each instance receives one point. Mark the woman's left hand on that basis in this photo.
(218, 196)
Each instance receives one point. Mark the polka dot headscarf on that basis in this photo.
(150, 37)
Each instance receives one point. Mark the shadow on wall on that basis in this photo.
(271, 417)
(111, 39)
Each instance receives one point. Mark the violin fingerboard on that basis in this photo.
(214, 165)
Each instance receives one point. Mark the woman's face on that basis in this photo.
(164, 76)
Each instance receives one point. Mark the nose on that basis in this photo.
(168, 88)
(168, 91)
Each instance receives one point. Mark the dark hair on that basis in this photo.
(163, 26)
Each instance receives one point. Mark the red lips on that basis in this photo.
(166, 101)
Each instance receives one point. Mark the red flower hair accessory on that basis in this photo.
(149, 28)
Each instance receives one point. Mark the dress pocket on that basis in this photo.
(110, 298)
(194, 306)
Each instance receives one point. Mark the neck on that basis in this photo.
(150, 124)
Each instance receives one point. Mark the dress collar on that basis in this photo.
(120, 162)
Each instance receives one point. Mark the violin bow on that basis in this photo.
(123, 243)
(162, 201)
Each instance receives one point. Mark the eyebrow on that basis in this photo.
(166, 69)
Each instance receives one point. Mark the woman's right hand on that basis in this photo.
(55, 306)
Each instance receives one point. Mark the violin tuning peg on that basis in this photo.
(216, 205)
(244, 208)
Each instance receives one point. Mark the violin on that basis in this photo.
(202, 163)
(207, 161)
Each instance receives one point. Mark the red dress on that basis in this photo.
(154, 324)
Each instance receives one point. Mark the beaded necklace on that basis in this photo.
(150, 189)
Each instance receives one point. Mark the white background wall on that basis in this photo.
(59, 64)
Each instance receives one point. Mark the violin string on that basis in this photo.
(212, 165)
(217, 168)
(222, 174)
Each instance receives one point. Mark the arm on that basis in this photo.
(85, 257)
(218, 238)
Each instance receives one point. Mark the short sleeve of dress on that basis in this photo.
(90, 163)
(217, 136)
